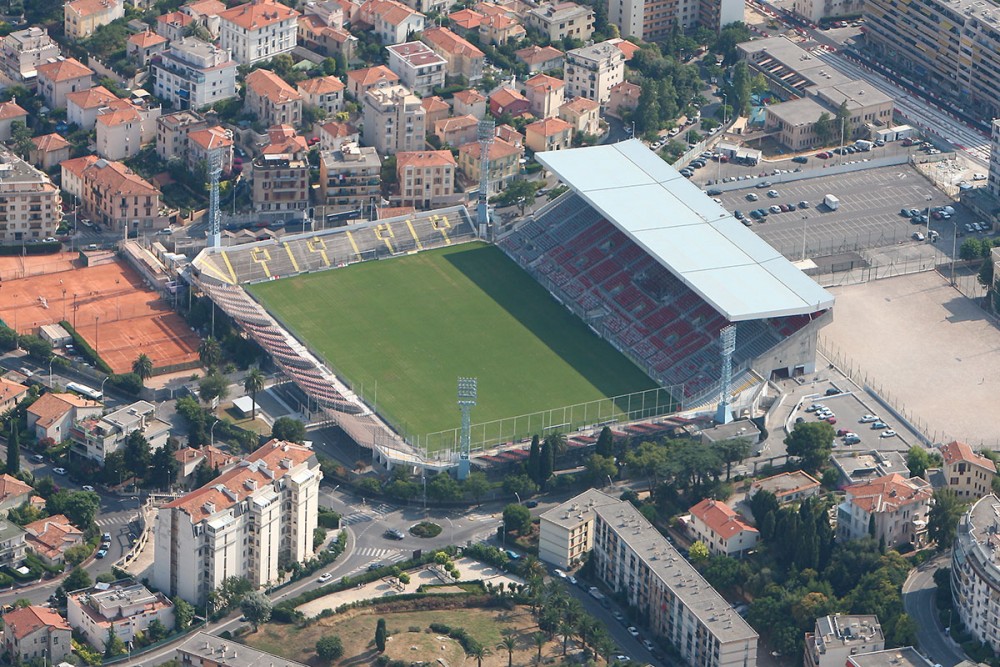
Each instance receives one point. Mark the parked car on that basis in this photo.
(773, 194)
(325, 577)
(801, 159)
(632, 630)
(879, 425)
(868, 419)
(887, 434)
(87, 487)
(59, 471)
(852, 440)
(752, 197)
(102, 553)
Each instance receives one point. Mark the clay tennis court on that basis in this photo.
(109, 305)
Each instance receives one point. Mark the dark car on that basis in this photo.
(714, 192)
(801, 159)
(394, 534)
(832, 391)
(531, 504)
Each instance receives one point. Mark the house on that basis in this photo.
(9, 113)
(510, 135)
(456, 131)
(967, 474)
(95, 437)
(211, 146)
(892, 509)
(541, 58)
(394, 120)
(509, 101)
(36, 633)
(504, 163)
(172, 131)
(258, 30)
(30, 202)
(324, 92)
(551, 134)
(360, 81)
(13, 492)
(49, 538)
(190, 458)
(426, 178)
(192, 74)
(82, 17)
(328, 12)
(52, 414)
(12, 544)
(272, 495)
(545, 94)
(49, 150)
(466, 20)
(202, 648)
(72, 174)
(126, 606)
(591, 71)
(84, 106)
(627, 48)
(583, 114)
(281, 176)
(119, 133)
(11, 393)
(469, 103)
(623, 97)
(271, 100)
(787, 487)
(392, 21)
(428, 6)
(206, 12)
(334, 135)
(836, 638)
(500, 29)
(115, 197)
(22, 51)
(315, 34)
(464, 60)
(141, 47)
(174, 25)
(721, 529)
(435, 109)
(58, 79)
(559, 20)
(418, 66)
(350, 177)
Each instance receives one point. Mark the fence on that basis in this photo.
(806, 174)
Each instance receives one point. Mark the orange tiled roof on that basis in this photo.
(369, 76)
(455, 123)
(51, 407)
(887, 493)
(720, 518)
(509, 134)
(119, 117)
(548, 127)
(421, 159)
(499, 149)
(213, 456)
(93, 98)
(13, 390)
(64, 70)
(321, 85)
(580, 105)
(118, 178)
(395, 13)
(10, 110)
(204, 8)
(451, 43)
(146, 39)
(434, 104)
(176, 18)
(544, 81)
(538, 54)
(627, 48)
(258, 14)
(959, 451)
(91, 7)
(284, 139)
(466, 19)
(11, 487)
(27, 620)
(211, 138)
(78, 165)
(507, 96)
(382, 213)
(53, 535)
(269, 85)
(337, 129)
(469, 96)
(627, 88)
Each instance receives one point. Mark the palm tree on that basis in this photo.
(508, 643)
(252, 383)
(539, 639)
(604, 646)
(479, 652)
(566, 628)
(209, 352)
(143, 367)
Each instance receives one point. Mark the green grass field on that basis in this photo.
(414, 324)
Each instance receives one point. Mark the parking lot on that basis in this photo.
(848, 410)
(868, 215)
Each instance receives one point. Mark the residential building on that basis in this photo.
(583, 114)
(545, 95)
(393, 22)
(541, 58)
(632, 558)
(13, 492)
(315, 34)
(815, 11)
(435, 109)
(466, 20)
(791, 70)
(115, 197)
(12, 544)
(894, 508)
(418, 66)
(9, 113)
(510, 135)
(95, 437)
(968, 475)
(192, 74)
(974, 573)
(11, 394)
(862, 466)
(627, 48)
(360, 81)
(59, 78)
(426, 178)
(204, 650)
(559, 20)
(591, 71)
(721, 529)
(551, 134)
(83, 106)
(49, 538)
(456, 131)
(500, 29)
(428, 6)
(126, 606)
(207, 13)
(119, 133)
(836, 638)
(142, 46)
(30, 206)
(22, 51)
(271, 100)
(72, 174)
(82, 17)
(906, 656)
(787, 487)
(270, 498)
(323, 92)
(350, 177)
(624, 98)
(172, 131)
(334, 135)
(509, 101)
(48, 151)
(328, 12)
(652, 20)
(394, 120)
(281, 176)
(464, 61)
(258, 30)
(950, 46)
(211, 146)
(191, 459)
(36, 633)
(504, 163)
(993, 184)
(174, 25)
(469, 103)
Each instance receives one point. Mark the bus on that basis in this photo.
(84, 390)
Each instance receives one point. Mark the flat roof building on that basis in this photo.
(838, 637)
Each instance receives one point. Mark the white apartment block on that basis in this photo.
(30, 206)
(394, 120)
(836, 638)
(258, 30)
(591, 71)
(192, 74)
(127, 606)
(559, 20)
(975, 571)
(242, 524)
(816, 10)
(96, 437)
(418, 66)
(651, 20)
(632, 558)
(994, 176)
(24, 50)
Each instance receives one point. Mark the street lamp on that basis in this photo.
(452, 525)
(106, 378)
(211, 432)
(518, 497)
(725, 108)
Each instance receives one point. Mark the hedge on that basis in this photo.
(85, 350)
(31, 249)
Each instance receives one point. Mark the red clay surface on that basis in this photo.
(109, 305)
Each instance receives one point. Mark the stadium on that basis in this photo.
(632, 263)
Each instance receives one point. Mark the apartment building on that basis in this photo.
(58, 78)
(951, 46)
(95, 437)
(48, 151)
(142, 46)
(426, 178)
(30, 206)
(545, 95)
(52, 415)
(117, 198)
(541, 58)
(119, 133)
(967, 474)
(583, 114)
(815, 11)
(994, 176)
(211, 146)
(591, 71)
(82, 17)
(258, 30)
(435, 109)
(905, 656)
(281, 176)
(10, 112)
(464, 61)
(192, 74)
(975, 570)
(22, 51)
(469, 103)
(174, 25)
(271, 100)
(551, 134)
(12, 544)
(242, 524)
(721, 529)
(651, 20)
(559, 20)
(349, 178)
(394, 120)
(36, 633)
(334, 135)
(894, 508)
(360, 81)
(126, 606)
(172, 131)
(323, 92)
(836, 638)
(204, 650)
(787, 487)
(393, 22)
(633, 559)
(504, 163)
(419, 68)
(864, 466)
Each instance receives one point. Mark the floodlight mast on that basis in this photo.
(467, 394)
(728, 338)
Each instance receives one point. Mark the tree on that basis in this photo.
(521, 485)
(164, 465)
(157, 630)
(213, 386)
(287, 428)
(520, 192)
(970, 249)
(918, 460)
(546, 462)
(698, 553)
(605, 442)
(13, 449)
(20, 138)
(209, 352)
(904, 632)
(143, 367)
(252, 383)
(843, 121)
(943, 517)
(478, 651)
(741, 88)
(329, 648)
(812, 442)
(476, 485)
(444, 488)
(600, 469)
(647, 111)
(517, 518)
(381, 634)
(77, 579)
(256, 606)
(732, 450)
(183, 613)
(508, 643)
(80, 507)
(540, 640)
(113, 645)
(535, 459)
(823, 127)
(137, 454)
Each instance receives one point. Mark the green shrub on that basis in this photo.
(426, 529)
(84, 349)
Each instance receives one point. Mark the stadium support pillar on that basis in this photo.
(727, 337)
(467, 393)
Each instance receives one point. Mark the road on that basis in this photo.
(918, 600)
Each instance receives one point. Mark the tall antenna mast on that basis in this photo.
(214, 172)
(728, 337)
(467, 394)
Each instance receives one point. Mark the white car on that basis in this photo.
(325, 577)
(650, 646)
(868, 419)
(87, 487)
(59, 471)
(633, 631)
(773, 194)
(887, 434)
(559, 573)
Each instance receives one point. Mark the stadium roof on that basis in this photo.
(696, 239)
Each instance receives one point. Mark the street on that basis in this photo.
(918, 600)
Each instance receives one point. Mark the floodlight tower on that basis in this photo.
(485, 133)
(467, 394)
(728, 338)
(214, 172)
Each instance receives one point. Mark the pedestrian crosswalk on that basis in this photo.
(387, 554)
(356, 517)
(383, 509)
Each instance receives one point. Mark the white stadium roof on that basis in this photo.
(696, 239)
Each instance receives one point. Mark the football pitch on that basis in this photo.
(401, 332)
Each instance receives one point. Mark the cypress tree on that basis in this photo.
(605, 442)
(547, 464)
(13, 450)
(534, 460)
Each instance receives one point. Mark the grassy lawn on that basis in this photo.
(414, 324)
